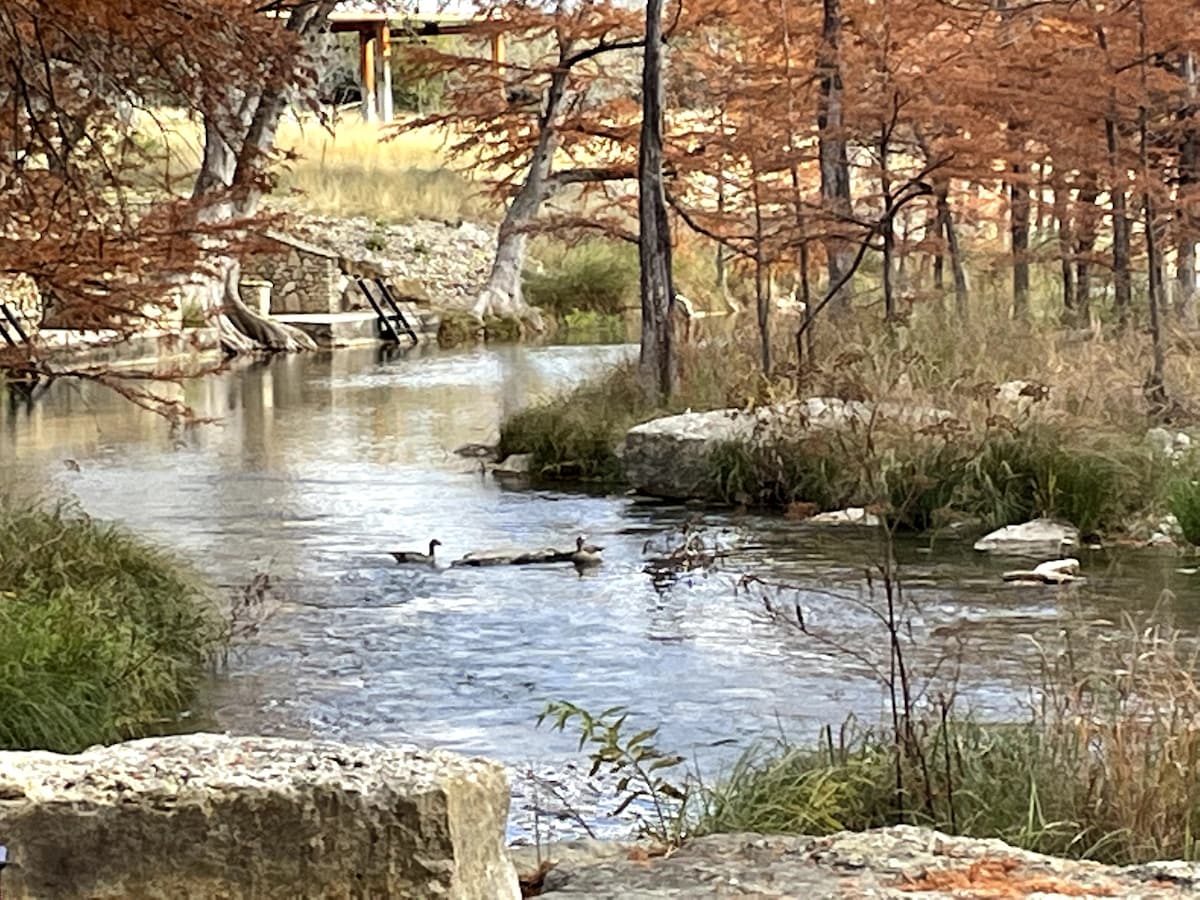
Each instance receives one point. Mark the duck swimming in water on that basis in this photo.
(417, 557)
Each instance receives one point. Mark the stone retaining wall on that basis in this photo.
(305, 278)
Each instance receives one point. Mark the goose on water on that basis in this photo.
(416, 556)
(586, 554)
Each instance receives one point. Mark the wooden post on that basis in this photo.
(366, 69)
(385, 66)
(500, 57)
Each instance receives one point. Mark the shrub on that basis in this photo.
(1183, 499)
(575, 435)
(597, 276)
(102, 636)
(458, 327)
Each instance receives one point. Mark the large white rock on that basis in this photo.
(668, 457)
(204, 815)
(1040, 537)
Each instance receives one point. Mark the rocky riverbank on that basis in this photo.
(893, 862)
(443, 263)
(204, 815)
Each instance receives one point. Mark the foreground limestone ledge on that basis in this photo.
(211, 816)
(893, 863)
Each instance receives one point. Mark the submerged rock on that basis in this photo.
(476, 451)
(1053, 571)
(1036, 538)
(854, 515)
(898, 862)
(205, 815)
(514, 465)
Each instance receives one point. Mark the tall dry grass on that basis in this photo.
(352, 169)
(1106, 766)
(361, 169)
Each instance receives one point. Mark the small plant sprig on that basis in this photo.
(645, 771)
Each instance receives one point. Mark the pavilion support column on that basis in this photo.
(384, 104)
(366, 70)
(499, 58)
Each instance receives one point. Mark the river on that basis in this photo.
(316, 465)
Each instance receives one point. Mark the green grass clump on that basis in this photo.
(102, 636)
(458, 327)
(576, 434)
(1183, 499)
(1098, 483)
(501, 328)
(596, 276)
(776, 474)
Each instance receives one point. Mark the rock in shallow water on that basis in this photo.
(854, 515)
(203, 815)
(1038, 537)
(669, 457)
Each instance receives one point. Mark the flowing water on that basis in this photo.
(317, 465)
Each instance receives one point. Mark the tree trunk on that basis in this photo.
(1156, 392)
(833, 154)
(219, 163)
(1065, 245)
(657, 364)
(502, 295)
(1122, 285)
(1155, 386)
(957, 265)
(802, 266)
(1019, 212)
(889, 228)
(933, 226)
(228, 184)
(1185, 282)
(1189, 173)
(1086, 224)
(762, 294)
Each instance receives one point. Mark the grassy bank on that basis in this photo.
(102, 636)
(1071, 445)
(1104, 767)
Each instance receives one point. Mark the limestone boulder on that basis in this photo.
(668, 457)
(204, 815)
(895, 863)
(1040, 537)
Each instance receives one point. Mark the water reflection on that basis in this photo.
(321, 463)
